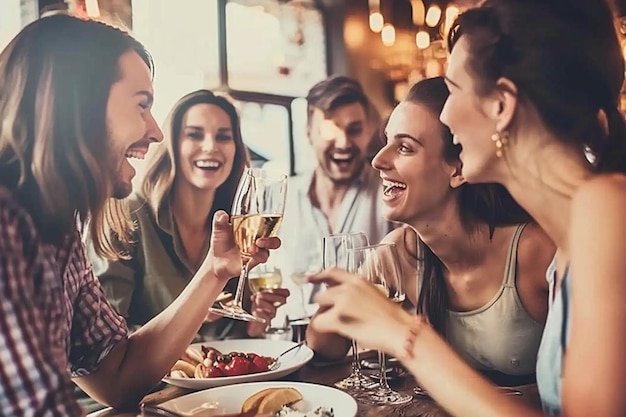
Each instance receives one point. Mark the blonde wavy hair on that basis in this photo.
(161, 169)
(55, 79)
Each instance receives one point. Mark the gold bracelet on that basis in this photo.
(417, 324)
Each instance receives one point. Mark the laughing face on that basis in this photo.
(417, 180)
(466, 114)
(130, 123)
(206, 147)
(340, 139)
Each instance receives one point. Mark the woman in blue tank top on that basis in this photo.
(534, 91)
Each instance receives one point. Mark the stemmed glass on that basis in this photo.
(310, 263)
(257, 212)
(380, 266)
(335, 254)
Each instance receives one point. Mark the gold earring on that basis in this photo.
(500, 139)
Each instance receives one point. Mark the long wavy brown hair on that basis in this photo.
(55, 79)
(161, 163)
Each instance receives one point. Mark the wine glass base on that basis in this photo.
(385, 396)
(236, 313)
(355, 382)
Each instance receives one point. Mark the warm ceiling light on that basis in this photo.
(433, 16)
(376, 22)
(422, 39)
(451, 14)
(388, 35)
(418, 11)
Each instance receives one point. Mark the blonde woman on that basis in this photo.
(188, 178)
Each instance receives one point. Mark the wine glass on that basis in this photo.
(264, 277)
(335, 255)
(380, 266)
(310, 263)
(257, 212)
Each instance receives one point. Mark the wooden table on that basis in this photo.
(327, 374)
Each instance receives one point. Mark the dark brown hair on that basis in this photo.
(478, 204)
(55, 80)
(333, 92)
(161, 164)
(564, 57)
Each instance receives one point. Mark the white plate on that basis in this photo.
(289, 363)
(229, 399)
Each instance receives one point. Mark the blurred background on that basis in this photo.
(266, 54)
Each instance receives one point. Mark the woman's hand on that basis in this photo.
(356, 309)
(264, 305)
(224, 258)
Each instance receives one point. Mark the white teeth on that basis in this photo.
(389, 184)
(342, 157)
(135, 154)
(207, 164)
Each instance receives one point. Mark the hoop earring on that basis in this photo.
(501, 140)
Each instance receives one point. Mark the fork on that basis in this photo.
(276, 363)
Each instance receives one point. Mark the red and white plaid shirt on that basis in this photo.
(55, 320)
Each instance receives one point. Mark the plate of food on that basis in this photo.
(267, 399)
(226, 362)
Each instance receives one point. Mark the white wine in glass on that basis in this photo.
(257, 213)
(264, 278)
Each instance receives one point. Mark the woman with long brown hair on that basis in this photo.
(188, 178)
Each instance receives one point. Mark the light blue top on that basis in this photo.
(553, 342)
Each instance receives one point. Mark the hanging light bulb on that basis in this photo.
(451, 13)
(433, 15)
(376, 22)
(418, 12)
(422, 39)
(388, 34)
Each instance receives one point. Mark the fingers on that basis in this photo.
(264, 307)
(268, 243)
(221, 219)
(333, 276)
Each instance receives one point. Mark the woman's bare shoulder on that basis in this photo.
(604, 192)
(404, 237)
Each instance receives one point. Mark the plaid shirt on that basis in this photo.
(55, 321)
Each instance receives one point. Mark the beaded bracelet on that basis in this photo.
(417, 324)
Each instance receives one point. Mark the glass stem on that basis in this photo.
(243, 277)
(382, 360)
(303, 302)
(356, 366)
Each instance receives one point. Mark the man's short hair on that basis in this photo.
(333, 92)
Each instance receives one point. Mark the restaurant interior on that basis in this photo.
(265, 55)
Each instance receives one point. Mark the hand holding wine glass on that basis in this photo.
(257, 213)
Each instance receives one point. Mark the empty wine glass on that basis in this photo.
(335, 255)
(257, 213)
(380, 266)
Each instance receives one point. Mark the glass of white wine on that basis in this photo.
(257, 213)
(380, 266)
(264, 277)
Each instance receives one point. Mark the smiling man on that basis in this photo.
(343, 193)
(75, 105)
